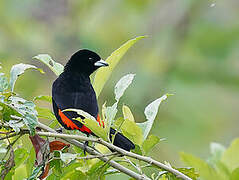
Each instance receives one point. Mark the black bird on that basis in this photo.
(73, 89)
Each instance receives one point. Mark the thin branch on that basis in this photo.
(119, 150)
(94, 152)
(25, 131)
(97, 156)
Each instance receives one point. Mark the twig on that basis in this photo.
(117, 149)
(94, 152)
(132, 164)
(25, 131)
(97, 156)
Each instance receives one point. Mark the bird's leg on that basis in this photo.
(86, 143)
(59, 130)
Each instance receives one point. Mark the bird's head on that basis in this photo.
(85, 61)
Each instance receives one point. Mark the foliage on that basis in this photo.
(221, 165)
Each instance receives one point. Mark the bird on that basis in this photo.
(73, 90)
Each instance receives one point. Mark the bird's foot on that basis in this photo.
(85, 146)
(59, 130)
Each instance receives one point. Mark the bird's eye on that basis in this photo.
(90, 58)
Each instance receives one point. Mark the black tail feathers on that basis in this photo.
(121, 141)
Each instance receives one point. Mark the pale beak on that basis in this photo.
(101, 63)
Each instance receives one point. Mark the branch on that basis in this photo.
(94, 152)
(72, 139)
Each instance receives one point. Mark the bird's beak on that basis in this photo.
(101, 63)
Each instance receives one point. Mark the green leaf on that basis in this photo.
(235, 174)
(150, 112)
(132, 131)
(206, 172)
(97, 171)
(122, 85)
(70, 170)
(91, 123)
(57, 68)
(3, 83)
(103, 74)
(30, 161)
(67, 157)
(127, 113)
(3, 148)
(190, 172)
(137, 150)
(7, 111)
(31, 122)
(35, 173)
(17, 70)
(231, 156)
(43, 98)
(149, 143)
(21, 155)
(45, 113)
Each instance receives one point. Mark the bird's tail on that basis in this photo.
(121, 141)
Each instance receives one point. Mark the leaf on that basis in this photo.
(67, 157)
(3, 83)
(122, 85)
(3, 149)
(97, 171)
(57, 68)
(21, 155)
(110, 113)
(31, 122)
(91, 123)
(150, 112)
(17, 70)
(103, 74)
(137, 150)
(16, 125)
(43, 98)
(217, 151)
(235, 174)
(45, 113)
(149, 143)
(57, 145)
(206, 172)
(35, 172)
(7, 111)
(41, 147)
(127, 113)
(27, 111)
(231, 156)
(132, 131)
(30, 162)
(190, 172)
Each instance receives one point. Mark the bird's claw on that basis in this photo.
(85, 146)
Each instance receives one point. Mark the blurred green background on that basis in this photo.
(192, 50)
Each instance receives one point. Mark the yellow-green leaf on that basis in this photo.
(102, 75)
(149, 143)
(127, 113)
(132, 131)
(91, 123)
(231, 156)
(206, 172)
